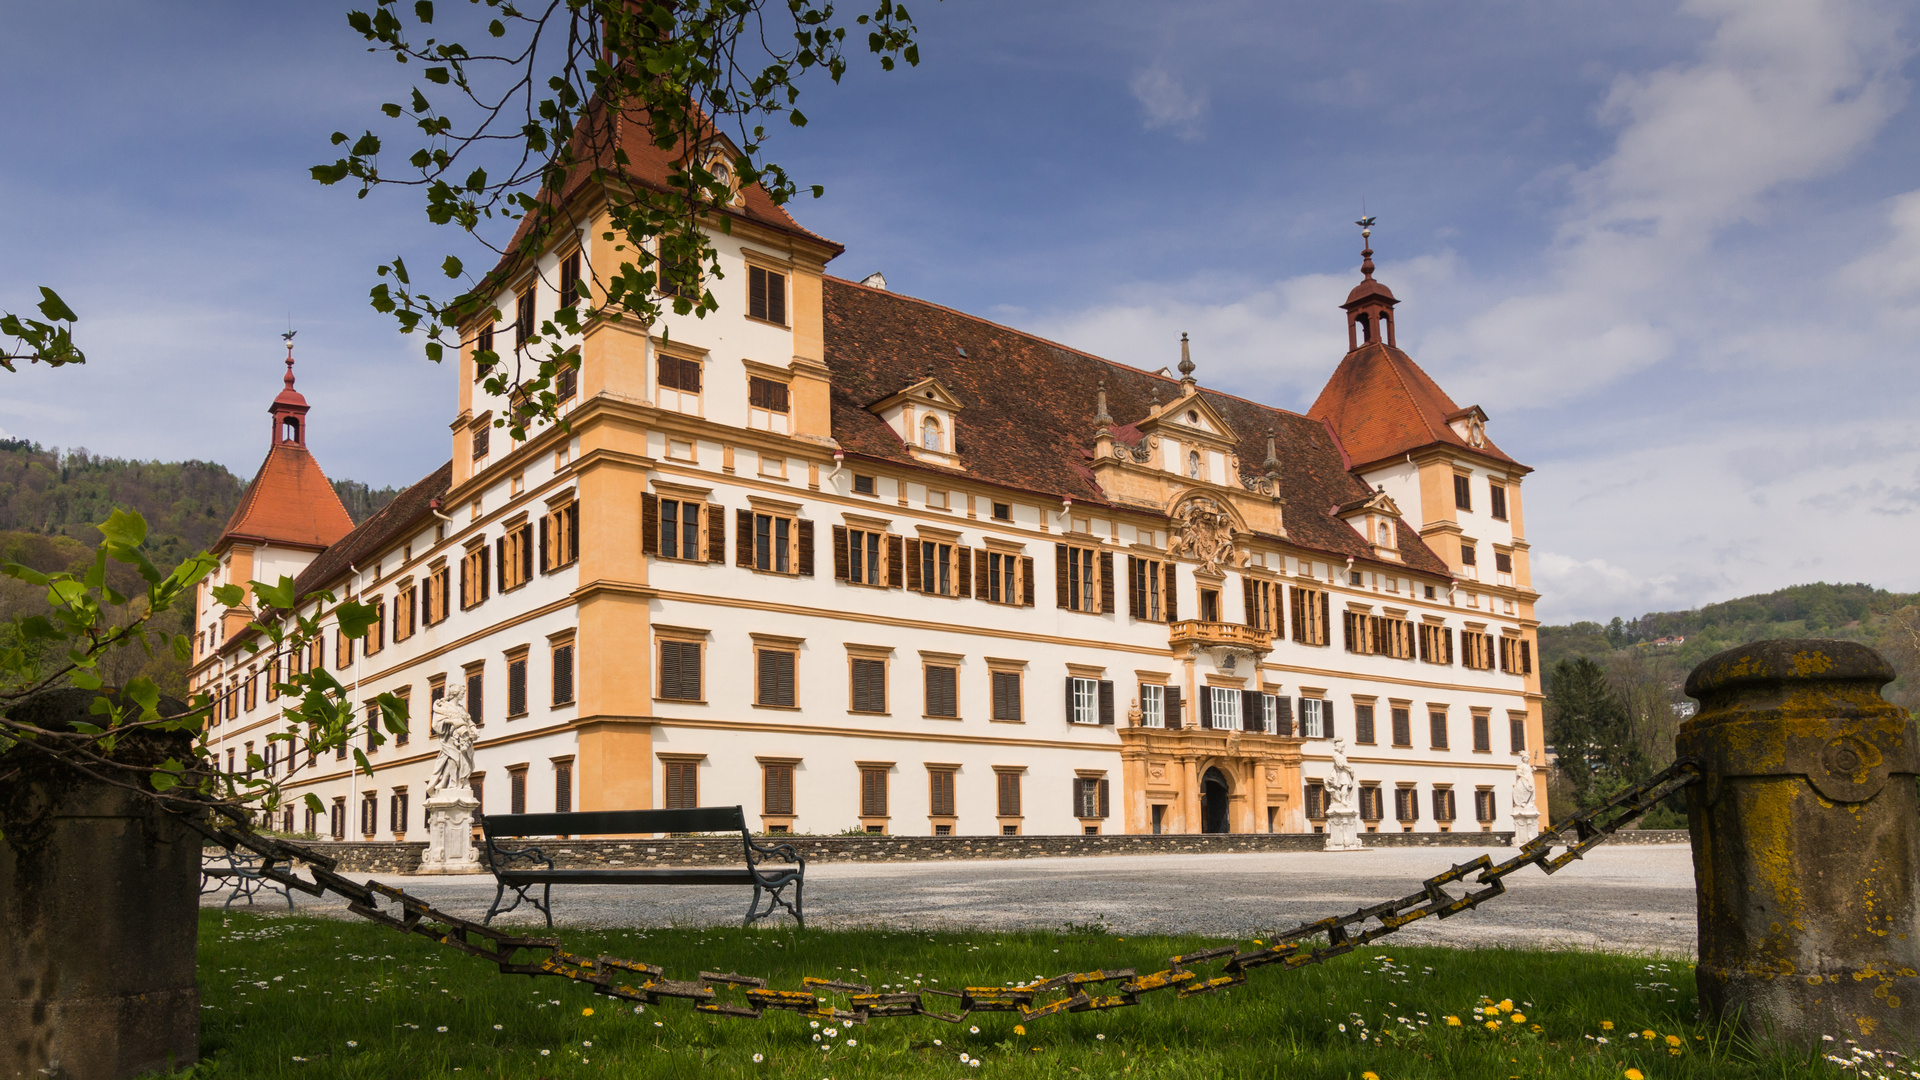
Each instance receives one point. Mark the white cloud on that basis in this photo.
(1168, 103)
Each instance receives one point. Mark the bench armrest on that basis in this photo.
(498, 856)
(758, 853)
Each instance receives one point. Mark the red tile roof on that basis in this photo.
(290, 502)
(1028, 407)
(1382, 405)
(376, 534)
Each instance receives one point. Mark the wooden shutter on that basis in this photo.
(983, 573)
(743, 538)
(1253, 714)
(1251, 599)
(1326, 719)
(670, 669)
(500, 561)
(1170, 596)
(1447, 633)
(1526, 657)
(573, 531)
(1106, 582)
(1026, 580)
(1070, 715)
(963, 562)
(756, 292)
(1079, 790)
(1103, 796)
(873, 793)
(546, 526)
(1283, 718)
(914, 582)
(526, 554)
(803, 540)
(1420, 644)
(1106, 702)
(1136, 600)
(1009, 792)
(841, 566)
(1060, 575)
(1170, 705)
(778, 793)
(1326, 621)
(940, 792)
(896, 555)
(716, 533)
(1205, 694)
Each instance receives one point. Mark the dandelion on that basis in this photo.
(1369, 1075)
(1453, 1021)
(1649, 1034)
(1019, 1029)
(1506, 1005)
(588, 1011)
(1606, 1025)
(1635, 1074)
(758, 1058)
(1673, 1040)
(1517, 1018)
(1493, 1025)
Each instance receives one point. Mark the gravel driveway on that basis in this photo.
(1629, 899)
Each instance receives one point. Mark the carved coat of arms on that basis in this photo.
(1202, 531)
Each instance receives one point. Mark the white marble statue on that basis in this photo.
(1523, 784)
(1342, 788)
(454, 728)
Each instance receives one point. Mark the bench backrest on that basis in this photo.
(602, 822)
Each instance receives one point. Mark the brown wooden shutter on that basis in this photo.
(1205, 694)
(1103, 797)
(743, 538)
(1293, 605)
(1026, 580)
(1283, 718)
(803, 539)
(963, 561)
(896, 554)
(573, 531)
(1079, 790)
(983, 572)
(546, 526)
(1326, 718)
(1106, 702)
(500, 561)
(526, 554)
(1060, 575)
(716, 533)
(841, 567)
(1136, 600)
(1171, 707)
(1251, 600)
(913, 565)
(1106, 583)
(1170, 595)
(1326, 620)
(1252, 716)
(1070, 717)
(464, 574)
(1526, 657)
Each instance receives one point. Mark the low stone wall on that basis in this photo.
(404, 858)
(1652, 836)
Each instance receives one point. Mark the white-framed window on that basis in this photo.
(1313, 718)
(1153, 705)
(1269, 713)
(1226, 707)
(1086, 701)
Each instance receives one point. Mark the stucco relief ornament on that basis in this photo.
(1342, 788)
(1202, 531)
(454, 728)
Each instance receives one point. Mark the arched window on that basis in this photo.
(1193, 463)
(930, 433)
(289, 429)
(1366, 328)
(1386, 535)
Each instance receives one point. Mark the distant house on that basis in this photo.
(1671, 640)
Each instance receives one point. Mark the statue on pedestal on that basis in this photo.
(1343, 810)
(450, 804)
(1526, 815)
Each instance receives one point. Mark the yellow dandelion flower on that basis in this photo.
(588, 1011)
(1649, 1034)
(1019, 1029)
(1506, 1005)
(1369, 1076)
(1635, 1074)
(1257, 941)
(1493, 1025)
(1674, 1051)
(1517, 1018)
(1673, 1040)
(1535, 1029)
(1606, 1025)
(1453, 1021)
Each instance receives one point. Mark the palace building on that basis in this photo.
(856, 561)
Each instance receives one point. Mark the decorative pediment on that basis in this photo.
(923, 416)
(1377, 519)
(1190, 419)
(717, 155)
(1470, 424)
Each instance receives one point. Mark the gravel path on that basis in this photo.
(1624, 899)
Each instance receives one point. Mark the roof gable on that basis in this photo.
(1382, 405)
(290, 502)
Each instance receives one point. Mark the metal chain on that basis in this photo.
(1087, 991)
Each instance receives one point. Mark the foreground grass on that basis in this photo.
(309, 998)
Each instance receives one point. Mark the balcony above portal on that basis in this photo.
(1234, 637)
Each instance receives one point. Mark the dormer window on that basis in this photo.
(924, 417)
(930, 434)
(1386, 535)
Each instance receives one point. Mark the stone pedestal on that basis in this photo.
(450, 836)
(1343, 830)
(1526, 826)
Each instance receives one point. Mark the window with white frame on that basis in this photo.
(1270, 714)
(1312, 718)
(1226, 707)
(1086, 701)
(1153, 705)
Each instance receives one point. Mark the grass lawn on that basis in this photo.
(305, 997)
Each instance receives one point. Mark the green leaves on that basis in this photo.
(42, 342)
(355, 618)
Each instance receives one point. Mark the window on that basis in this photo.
(859, 555)
(1312, 623)
(930, 435)
(566, 377)
(1463, 492)
(680, 670)
(1220, 708)
(939, 569)
(1497, 500)
(1313, 718)
(869, 685)
(1089, 701)
(862, 484)
(768, 404)
(436, 594)
(1370, 802)
(1262, 601)
(683, 784)
(570, 291)
(767, 295)
(561, 657)
(1468, 556)
(517, 683)
(563, 787)
(1402, 726)
(337, 818)
(473, 576)
(1149, 585)
(1437, 729)
(517, 790)
(774, 543)
(482, 440)
(1363, 724)
(523, 320)
(943, 690)
(1090, 796)
(776, 789)
(1153, 705)
(679, 384)
(1406, 805)
(397, 810)
(1502, 562)
(272, 759)
(1002, 511)
(484, 356)
(369, 813)
(1483, 806)
(1007, 785)
(675, 527)
(560, 537)
(342, 660)
(1476, 650)
(252, 679)
(406, 613)
(1516, 656)
(873, 791)
(1482, 734)
(1436, 643)
(1004, 577)
(1316, 800)
(1442, 804)
(773, 677)
(1210, 605)
(940, 792)
(1517, 732)
(1083, 578)
(515, 550)
(1006, 695)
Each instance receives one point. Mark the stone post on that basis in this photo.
(450, 835)
(99, 914)
(1805, 831)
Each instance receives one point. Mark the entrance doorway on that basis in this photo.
(1213, 802)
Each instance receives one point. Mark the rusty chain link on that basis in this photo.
(1087, 991)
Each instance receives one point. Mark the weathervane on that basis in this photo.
(1366, 245)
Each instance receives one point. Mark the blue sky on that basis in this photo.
(1673, 249)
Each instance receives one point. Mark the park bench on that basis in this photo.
(241, 876)
(525, 868)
